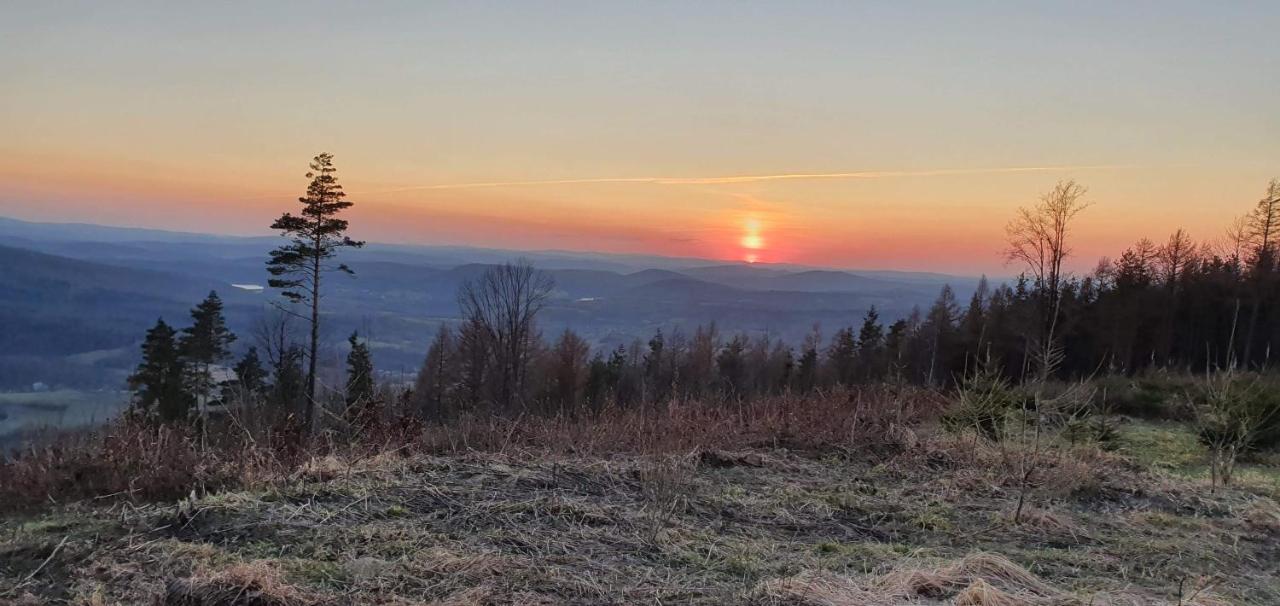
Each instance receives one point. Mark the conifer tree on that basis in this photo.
(731, 364)
(160, 380)
(895, 346)
(1264, 227)
(940, 331)
(598, 384)
(432, 391)
(870, 345)
(249, 372)
(973, 329)
(841, 354)
(568, 371)
(359, 372)
(206, 342)
(288, 381)
(315, 237)
(656, 363)
(473, 366)
(807, 370)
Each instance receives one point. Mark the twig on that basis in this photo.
(33, 574)
(348, 506)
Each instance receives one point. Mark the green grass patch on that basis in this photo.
(1174, 448)
(1166, 446)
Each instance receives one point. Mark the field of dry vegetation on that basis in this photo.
(850, 498)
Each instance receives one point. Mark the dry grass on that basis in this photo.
(138, 462)
(257, 583)
(871, 507)
(979, 579)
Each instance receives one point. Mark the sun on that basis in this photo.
(752, 240)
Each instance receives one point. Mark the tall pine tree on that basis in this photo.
(315, 236)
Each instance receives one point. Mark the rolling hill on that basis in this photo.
(76, 299)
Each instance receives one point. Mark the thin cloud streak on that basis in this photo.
(747, 178)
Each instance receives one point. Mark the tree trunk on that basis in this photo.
(315, 345)
(1252, 330)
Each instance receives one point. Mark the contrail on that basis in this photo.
(744, 178)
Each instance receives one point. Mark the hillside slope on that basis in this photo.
(930, 524)
(53, 308)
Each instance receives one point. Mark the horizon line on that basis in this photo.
(477, 247)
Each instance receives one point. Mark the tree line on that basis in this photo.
(1177, 305)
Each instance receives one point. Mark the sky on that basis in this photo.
(895, 135)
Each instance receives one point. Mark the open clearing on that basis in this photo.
(929, 522)
(22, 413)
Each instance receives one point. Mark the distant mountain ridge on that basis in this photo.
(62, 297)
(42, 235)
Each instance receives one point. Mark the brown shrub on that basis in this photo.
(871, 418)
(127, 459)
(138, 461)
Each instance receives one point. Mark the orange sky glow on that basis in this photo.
(852, 137)
(945, 219)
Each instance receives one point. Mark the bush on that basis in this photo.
(134, 460)
(1155, 396)
(129, 459)
(1243, 407)
(982, 402)
(1235, 413)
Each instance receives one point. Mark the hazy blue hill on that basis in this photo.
(81, 249)
(75, 299)
(107, 243)
(649, 276)
(684, 289)
(55, 309)
(732, 272)
(61, 280)
(579, 283)
(754, 277)
(96, 233)
(826, 280)
(922, 277)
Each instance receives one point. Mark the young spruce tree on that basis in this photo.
(359, 372)
(250, 373)
(160, 381)
(205, 343)
(315, 236)
(288, 382)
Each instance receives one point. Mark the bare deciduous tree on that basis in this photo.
(503, 303)
(1038, 241)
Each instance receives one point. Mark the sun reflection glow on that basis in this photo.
(752, 241)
